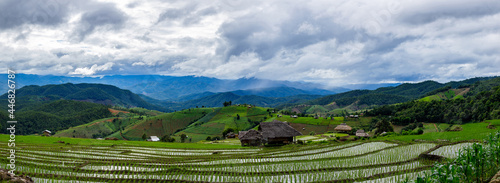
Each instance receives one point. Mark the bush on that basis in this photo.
(477, 163)
(420, 131)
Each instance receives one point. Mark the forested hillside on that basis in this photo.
(95, 93)
(216, 100)
(481, 103)
(359, 99)
(55, 115)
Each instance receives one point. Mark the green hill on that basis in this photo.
(216, 100)
(95, 93)
(360, 99)
(446, 95)
(196, 123)
(482, 102)
(108, 126)
(55, 115)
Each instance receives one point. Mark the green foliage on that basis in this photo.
(56, 115)
(383, 125)
(228, 130)
(477, 163)
(167, 138)
(99, 93)
(473, 108)
(183, 137)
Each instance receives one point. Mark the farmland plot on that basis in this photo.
(351, 162)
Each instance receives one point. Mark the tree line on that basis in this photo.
(482, 106)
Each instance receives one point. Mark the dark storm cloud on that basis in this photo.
(188, 14)
(102, 15)
(254, 33)
(14, 13)
(385, 43)
(430, 12)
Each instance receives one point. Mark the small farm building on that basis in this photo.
(153, 139)
(46, 133)
(361, 133)
(343, 128)
(275, 132)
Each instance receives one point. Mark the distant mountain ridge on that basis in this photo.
(170, 87)
(359, 99)
(95, 93)
(273, 92)
(217, 99)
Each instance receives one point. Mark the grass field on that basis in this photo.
(450, 94)
(475, 131)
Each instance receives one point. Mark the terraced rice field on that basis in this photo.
(351, 162)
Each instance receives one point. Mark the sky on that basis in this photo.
(332, 42)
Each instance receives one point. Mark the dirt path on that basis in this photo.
(123, 136)
(464, 92)
(437, 130)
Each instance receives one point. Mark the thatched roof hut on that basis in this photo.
(361, 133)
(251, 137)
(343, 127)
(277, 129)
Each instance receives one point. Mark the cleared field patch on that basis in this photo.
(165, 124)
(306, 129)
(115, 112)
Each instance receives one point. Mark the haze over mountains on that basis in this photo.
(173, 87)
(52, 104)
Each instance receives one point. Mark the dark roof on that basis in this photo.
(250, 135)
(241, 134)
(277, 129)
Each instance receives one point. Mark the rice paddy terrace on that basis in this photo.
(336, 162)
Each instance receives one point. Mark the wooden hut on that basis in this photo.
(277, 132)
(251, 137)
(361, 133)
(230, 135)
(343, 128)
(46, 133)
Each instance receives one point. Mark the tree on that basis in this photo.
(209, 138)
(383, 125)
(167, 138)
(226, 131)
(237, 116)
(144, 136)
(183, 137)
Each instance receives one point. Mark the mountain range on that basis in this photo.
(172, 87)
(360, 99)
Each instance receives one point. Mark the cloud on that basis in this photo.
(189, 14)
(329, 42)
(105, 15)
(15, 13)
(86, 71)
